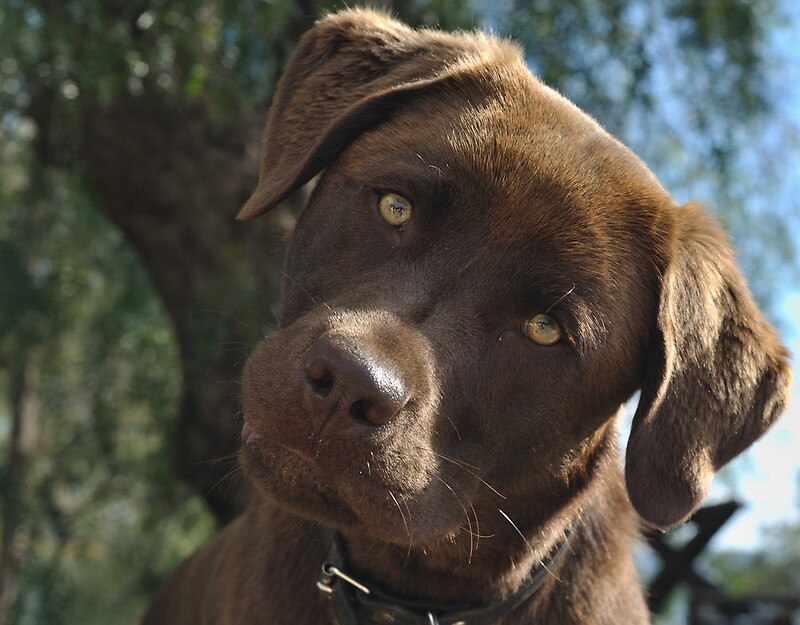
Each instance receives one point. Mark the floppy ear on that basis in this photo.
(348, 73)
(716, 379)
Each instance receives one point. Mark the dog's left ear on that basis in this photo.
(348, 73)
(716, 379)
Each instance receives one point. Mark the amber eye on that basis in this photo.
(542, 330)
(395, 209)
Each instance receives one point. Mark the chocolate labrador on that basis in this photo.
(482, 276)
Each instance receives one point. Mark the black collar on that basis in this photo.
(354, 602)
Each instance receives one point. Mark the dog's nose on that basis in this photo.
(343, 379)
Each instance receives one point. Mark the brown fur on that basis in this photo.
(522, 204)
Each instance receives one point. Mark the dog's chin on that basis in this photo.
(296, 483)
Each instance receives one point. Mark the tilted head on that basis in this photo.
(481, 277)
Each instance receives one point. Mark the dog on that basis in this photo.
(481, 278)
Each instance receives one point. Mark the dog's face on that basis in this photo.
(481, 277)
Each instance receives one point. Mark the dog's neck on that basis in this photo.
(600, 541)
(492, 567)
(354, 601)
(513, 543)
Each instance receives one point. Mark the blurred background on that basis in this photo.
(129, 296)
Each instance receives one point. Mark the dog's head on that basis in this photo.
(481, 277)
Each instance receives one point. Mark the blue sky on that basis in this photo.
(767, 477)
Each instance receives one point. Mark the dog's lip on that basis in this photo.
(248, 433)
(299, 453)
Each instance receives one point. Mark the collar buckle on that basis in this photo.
(350, 598)
(329, 575)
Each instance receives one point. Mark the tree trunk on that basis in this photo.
(172, 173)
(173, 181)
(23, 417)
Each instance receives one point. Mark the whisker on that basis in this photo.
(466, 515)
(235, 382)
(553, 575)
(469, 469)
(236, 352)
(458, 434)
(410, 537)
(246, 344)
(231, 456)
(257, 312)
(460, 463)
(514, 525)
(477, 532)
(258, 292)
(227, 315)
(236, 472)
(275, 316)
(530, 547)
(304, 289)
(559, 299)
(406, 523)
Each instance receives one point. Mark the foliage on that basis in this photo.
(693, 88)
(775, 569)
(86, 350)
(772, 570)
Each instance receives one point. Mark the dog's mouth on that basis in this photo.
(294, 479)
(395, 492)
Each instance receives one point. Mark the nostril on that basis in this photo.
(371, 412)
(359, 411)
(318, 372)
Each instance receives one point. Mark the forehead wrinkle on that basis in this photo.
(591, 327)
(507, 172)
(534, 158)
(582, 303)
(546, 280)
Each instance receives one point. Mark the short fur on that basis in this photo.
(401, 404)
